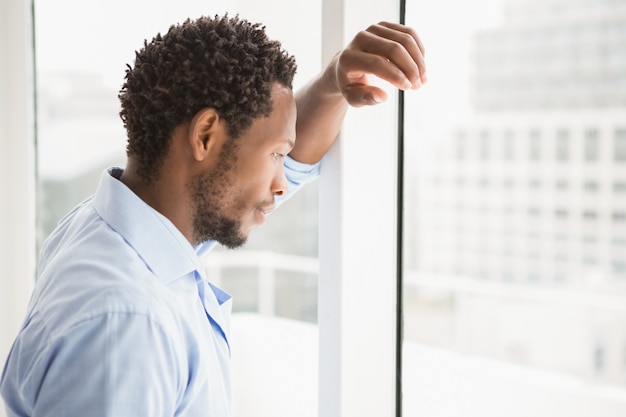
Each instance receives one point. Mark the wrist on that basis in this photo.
(329, 79)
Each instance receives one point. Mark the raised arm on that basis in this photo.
(389, 51)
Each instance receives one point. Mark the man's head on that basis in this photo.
(224, 63)
(234, 187)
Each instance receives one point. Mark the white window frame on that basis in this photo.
(17, 169)
(358, 216)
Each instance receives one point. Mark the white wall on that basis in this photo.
(17, 169)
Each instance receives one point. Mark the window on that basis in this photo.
(509, 332)
(484, 145)
(591, 186)
(619, 216)
(561, 184)
(460, 142)
(591, 145)
(562, 145)
(561, 213)
(509, 145)
(619, 187)
(274, 278)
(534, 138)
(590, 215)
(619, 145)
(599, 358)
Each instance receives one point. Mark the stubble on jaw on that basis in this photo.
(208, 193)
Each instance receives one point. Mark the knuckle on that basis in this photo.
(395, 48)
(363, 34)
(360, 39)
(345, 58)
(407, 38)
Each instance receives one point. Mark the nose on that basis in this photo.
(280, 183)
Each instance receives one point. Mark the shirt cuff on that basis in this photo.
(299, 173)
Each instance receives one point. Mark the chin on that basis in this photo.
(231, 246)
(234, 241)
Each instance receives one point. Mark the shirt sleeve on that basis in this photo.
(115, 364)
(298, 174)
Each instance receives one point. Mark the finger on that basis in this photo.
(364, 95)
(407, 30)
(403, 48)
(355, 62)
(409, 39)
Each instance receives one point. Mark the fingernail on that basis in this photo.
(407, 85)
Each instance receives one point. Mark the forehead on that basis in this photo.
(282, 99)
(280, 124)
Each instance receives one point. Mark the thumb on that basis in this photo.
(360, 95)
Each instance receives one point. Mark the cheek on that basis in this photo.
(256, 178)
(248, 193)
(252, 183)
(243, 196)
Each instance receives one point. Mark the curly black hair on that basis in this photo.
(223, 62)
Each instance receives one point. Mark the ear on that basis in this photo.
(206, 133)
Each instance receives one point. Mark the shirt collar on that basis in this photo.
(160, 244)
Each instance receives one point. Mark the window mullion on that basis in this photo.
(358, 247)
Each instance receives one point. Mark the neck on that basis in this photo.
(167, 195)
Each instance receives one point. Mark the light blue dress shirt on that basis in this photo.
(122, 321)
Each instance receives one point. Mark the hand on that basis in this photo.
(390, 51)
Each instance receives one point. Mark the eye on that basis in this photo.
(278, 155)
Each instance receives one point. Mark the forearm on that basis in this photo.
(321, 110)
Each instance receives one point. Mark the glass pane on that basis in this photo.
(273, 278)
(515, 254)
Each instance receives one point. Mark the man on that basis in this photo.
(123, 321)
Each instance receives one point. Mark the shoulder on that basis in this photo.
(87, 269)
(98, 365)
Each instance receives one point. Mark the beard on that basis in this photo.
(208, 193)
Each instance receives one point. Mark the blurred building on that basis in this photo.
(553, 54)
(528, 201)
(79, 134)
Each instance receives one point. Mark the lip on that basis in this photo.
(268, 209)
(263, 212)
